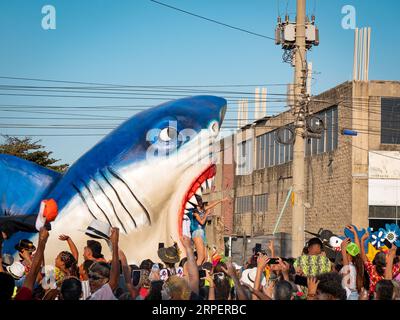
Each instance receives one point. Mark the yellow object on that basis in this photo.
(372, 251)
(292, 198)
(206, 283)
(267, 272)
(15, 292)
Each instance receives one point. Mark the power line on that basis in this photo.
(212, 20)
(142, 86)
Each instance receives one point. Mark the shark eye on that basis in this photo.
(168, 134)
(214, 127)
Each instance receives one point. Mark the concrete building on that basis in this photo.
(349, 179)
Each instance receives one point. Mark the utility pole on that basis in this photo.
(298, 216)
(296, 38)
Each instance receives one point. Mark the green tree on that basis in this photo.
(30, 150)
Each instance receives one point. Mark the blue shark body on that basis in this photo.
(126, 179)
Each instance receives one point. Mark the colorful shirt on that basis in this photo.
(313, 265)
(374, 277)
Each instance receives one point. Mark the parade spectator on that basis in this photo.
(92, 251)
(326, 286)
(314, 262)
(384, 290)
(103, 280)
(377, 268)
(353, 269)
(71, 289)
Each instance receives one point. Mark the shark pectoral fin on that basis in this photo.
(23, 184)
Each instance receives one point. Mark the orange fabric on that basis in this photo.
(50, 210)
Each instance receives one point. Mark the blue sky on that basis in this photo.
(138, 42)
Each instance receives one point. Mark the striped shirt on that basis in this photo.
(313, 265)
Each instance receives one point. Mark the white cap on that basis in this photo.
(249, 275)
(99, 230)
(17, 270)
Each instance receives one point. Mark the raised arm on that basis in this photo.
(271, 247)
(114, 273)
(343, 246)
(71, 245)
(211, 290)
(389, 263)
(363, 239)
(230, 271)
(262, 261)
(126, 270)
(215, 203)
(37, 259)
(193, 271)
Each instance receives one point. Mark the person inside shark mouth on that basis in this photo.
(198, 217)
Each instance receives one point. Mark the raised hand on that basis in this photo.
(365, 236)
(351, 228)
(262, 261)
(229, 270)
(114, 237)
(344, 244)
(312, 284)
(63, 237)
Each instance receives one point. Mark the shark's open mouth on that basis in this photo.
(200, 184)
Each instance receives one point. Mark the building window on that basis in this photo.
(329, 130)
(271, 150)
(261, 202)
(381, 215)
(244, 204)
(329, 137)
(335, 128)
(244, 164)
(390, 120)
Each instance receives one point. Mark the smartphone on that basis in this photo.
(160, 245)
(273, 261)
(257, 248)
(202, 273)
(300, 280)
(135, 277)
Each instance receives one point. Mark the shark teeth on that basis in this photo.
(204, 186)
(189, 206)
(193, 200)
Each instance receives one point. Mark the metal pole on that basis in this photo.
(282, 210)
(298, 148)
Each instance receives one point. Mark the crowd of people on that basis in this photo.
(184, 274)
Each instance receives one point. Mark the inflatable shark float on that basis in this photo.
(140, 178)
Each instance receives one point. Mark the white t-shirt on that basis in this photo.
(85, 289)
(349, 280)
(186, 226)
(104, 293)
